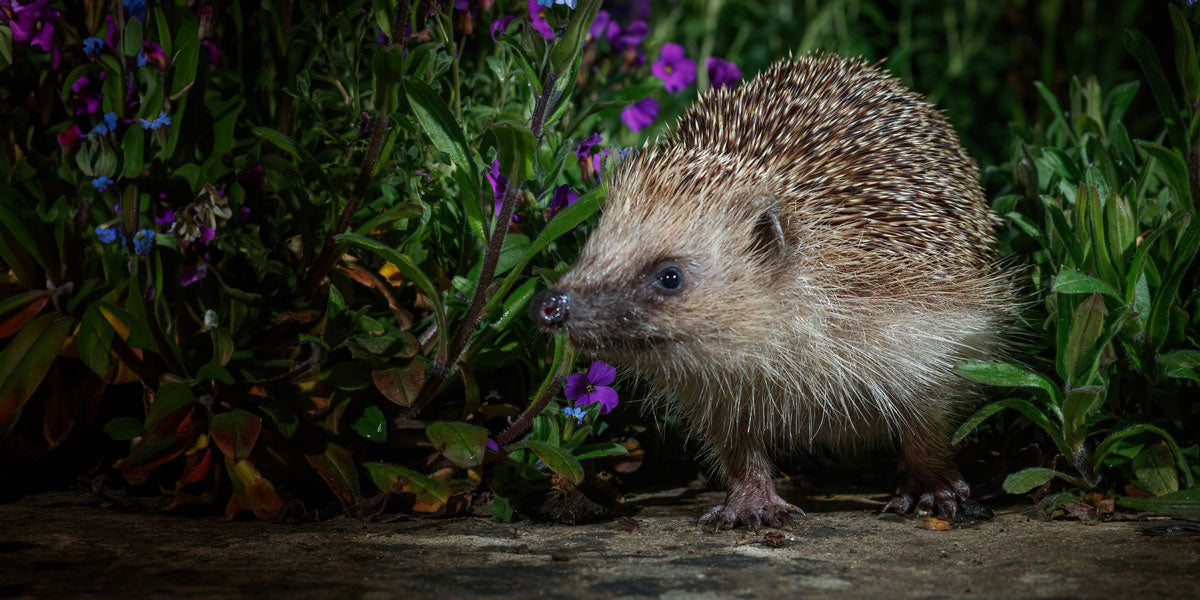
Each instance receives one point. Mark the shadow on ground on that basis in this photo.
(64, 544)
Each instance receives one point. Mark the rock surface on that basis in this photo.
(65, 545)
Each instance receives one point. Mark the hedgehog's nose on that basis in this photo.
(549, 308)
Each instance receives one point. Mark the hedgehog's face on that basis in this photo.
(648, 282)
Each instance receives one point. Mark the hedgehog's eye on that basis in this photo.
(669, 279)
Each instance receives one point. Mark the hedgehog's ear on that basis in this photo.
(767, 237)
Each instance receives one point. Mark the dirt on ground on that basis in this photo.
(67, 545)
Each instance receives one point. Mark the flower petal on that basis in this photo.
(606, 396)
(576, 386)
(601, 373)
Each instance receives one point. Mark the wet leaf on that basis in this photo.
(372, 425)
(1155, 469)
(400, 385)
(460, 442)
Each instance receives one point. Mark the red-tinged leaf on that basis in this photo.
(24, 363)
(402, 384)
(196, 468)
(13, 323)
(187, 502)
(252, 492)
(428, 490)
(163, 441)
(74, 396)
(336, 467)
(235, 433)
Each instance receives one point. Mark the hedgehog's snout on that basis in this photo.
(550, 307)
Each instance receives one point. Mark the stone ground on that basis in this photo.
(66, 545)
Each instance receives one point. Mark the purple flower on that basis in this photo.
(492, 445)
(106, 234)
(108, 126)
(244, 214)
(640, 114)
(630, 36)
(33, 22)
(153, 54)
(721, 73)
(585, 147)
(87, 94)
(600, 25)
(253, 176)
(191, 273)
(500, 25)
(102, 182)
(92, 47)
(675, 69)
(564, 196)
(136, 8)
(574, 413)
(143, 241)
(462, 4)
(598, 162)
(499, 185)
(214, 53)
(589, 389)
(537, 15)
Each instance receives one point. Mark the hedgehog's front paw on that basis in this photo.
(938, 497)
(752, 510)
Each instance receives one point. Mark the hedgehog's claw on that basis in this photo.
(938, 497)
(753, 510)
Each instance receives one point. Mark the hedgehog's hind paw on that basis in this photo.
(750, 510)
(938, 498)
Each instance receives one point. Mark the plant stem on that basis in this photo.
(534, 410)
(487, 271)
(329, 251)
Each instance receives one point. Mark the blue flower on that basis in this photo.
(106, 234)
(136, 8)
(574, 413)
(161, 120)
(141, 57)
(92, 47)
(143, 241)
(108, 126)
(102, 182)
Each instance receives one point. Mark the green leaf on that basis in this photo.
(1143, 50)
(446, 134)
(134, 155)
(1173, 165)
(516, 149)
(570, 44)
(236, 432)
(460, 442)
(414, 274)
(1186, 62)
(1062, 230)
(95, 341)
(18, 300)
(1055, 109)
(279, 140)
(187, 40)
(599, 450)
(212, 371)
(518, 55)
(285, 418)
(1086, 325)
(558, 460)
(164, 30)
(123, 429)
(1079, 403)
(372, 425)
(1010, 375)
(512, 252)
(171, 397)
(1105, 446)
(1026, 479)
(1180, 364)
(1031, 412)
(1070, 281)
(1155, 469)
(515, 303)
(131, 37)
(386, 477)
(1184, 503)
(1160, 313)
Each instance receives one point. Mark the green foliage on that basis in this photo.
(1106, 228)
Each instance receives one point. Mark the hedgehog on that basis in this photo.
(800, 263)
